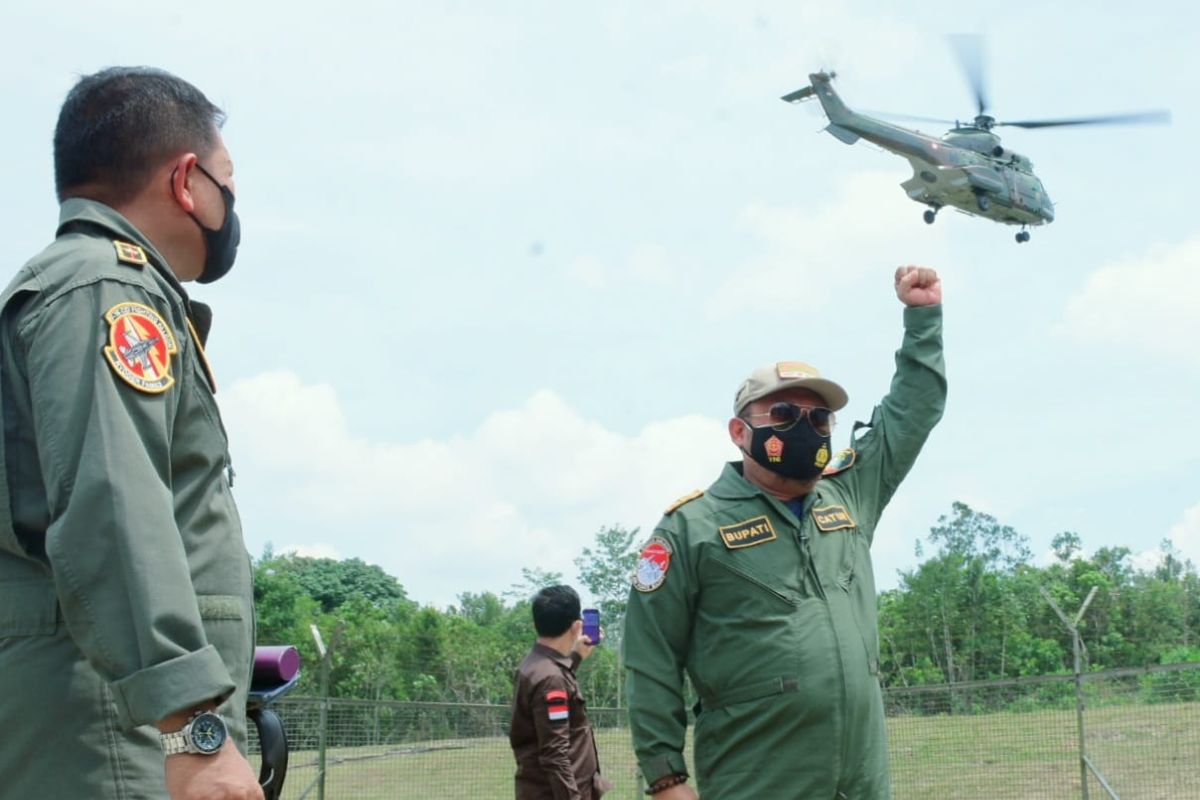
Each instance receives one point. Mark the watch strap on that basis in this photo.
(175, 743)
(181, 741)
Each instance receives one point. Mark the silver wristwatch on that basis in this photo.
(205, 733)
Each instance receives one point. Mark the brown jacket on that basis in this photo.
(550, 736)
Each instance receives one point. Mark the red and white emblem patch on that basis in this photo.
(652, 565)
(140, 346)
(556, 706)
(774, 448)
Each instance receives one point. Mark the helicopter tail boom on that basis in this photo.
(822, 88)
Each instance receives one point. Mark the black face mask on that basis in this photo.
(799, 453)
(221, 243)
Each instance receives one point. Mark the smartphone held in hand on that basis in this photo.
(591, 625)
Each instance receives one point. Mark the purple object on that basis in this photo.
(591, 625)
(275, 664)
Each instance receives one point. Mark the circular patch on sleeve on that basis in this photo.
(140, 346)
(652, 565)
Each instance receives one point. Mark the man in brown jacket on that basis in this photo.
(550, 736)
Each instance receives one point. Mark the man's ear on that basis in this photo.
(737, 431)
(577, 628)
(181, 182)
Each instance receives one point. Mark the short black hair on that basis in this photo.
(555, 609)
(116, 126)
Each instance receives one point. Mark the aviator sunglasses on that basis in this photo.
(784, 416)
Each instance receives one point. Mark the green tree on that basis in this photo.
(282, 607)
(959, 613)
(606, 570)
(333, 583)
(484, 608)
(532, 579)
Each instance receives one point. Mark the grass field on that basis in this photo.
(1145, 752)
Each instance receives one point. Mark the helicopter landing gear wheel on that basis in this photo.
(930, 215)
(1022, 236)
(982, 201)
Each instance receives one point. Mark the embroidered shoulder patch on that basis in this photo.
(140, 346)
(832, 518)
(841, 462)
(745, 534)
(130, 254)
(687, 498)
(652, 565)
(556, 706)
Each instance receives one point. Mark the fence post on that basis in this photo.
(323, 720)
(1077, 646)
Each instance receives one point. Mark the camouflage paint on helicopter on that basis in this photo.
(967, 168)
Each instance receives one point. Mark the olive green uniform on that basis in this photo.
(125, 586)
(773, 616)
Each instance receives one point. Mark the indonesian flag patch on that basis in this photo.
(140, 346)
(556, 706)
(652, 565)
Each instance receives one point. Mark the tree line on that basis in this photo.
(971, 609)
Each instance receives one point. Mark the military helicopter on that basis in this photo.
(967, 168)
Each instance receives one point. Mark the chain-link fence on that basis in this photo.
(991, 739)
(1020, 738)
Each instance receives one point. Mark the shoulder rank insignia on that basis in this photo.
(130, 254)
(832, 518)
(140, 346)
(652, 565)
(842, 461)
(687, 498)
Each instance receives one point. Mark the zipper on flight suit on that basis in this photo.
(791, 601)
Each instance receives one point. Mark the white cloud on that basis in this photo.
(314, 550)
(1145, 303)
(1146, 560)
(647, 264)
(589, 271)
(807, 258)
(529, 487)
(1186, 534)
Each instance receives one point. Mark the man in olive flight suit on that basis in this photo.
(762, 588)
(126, 602)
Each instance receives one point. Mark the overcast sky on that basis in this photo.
(504, 265)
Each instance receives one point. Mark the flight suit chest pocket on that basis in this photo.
(28, 608)
(835, 543)
(741, 588)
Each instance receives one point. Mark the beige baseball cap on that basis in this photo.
(771, 378)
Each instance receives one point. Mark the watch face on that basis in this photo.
(208, 733)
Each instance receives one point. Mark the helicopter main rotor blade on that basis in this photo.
(1110, 119)
(969, 49)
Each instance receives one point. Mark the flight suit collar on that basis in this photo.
(732, 485)
(77, 212)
